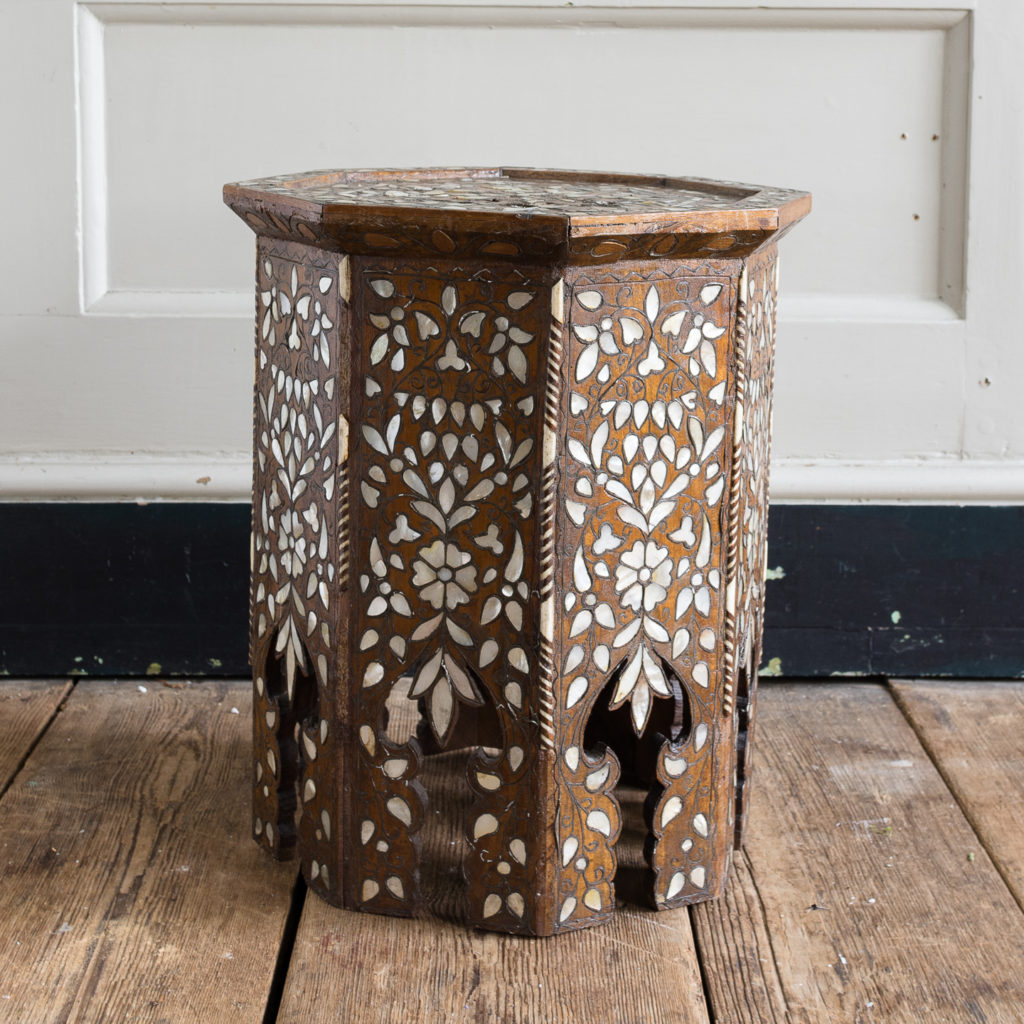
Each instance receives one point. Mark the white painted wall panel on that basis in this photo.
(38, 167)
(866, 397)
(129, 283)
(735, 101)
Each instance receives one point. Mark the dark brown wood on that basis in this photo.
(26, 707)
(974, 732)
(128, 886)
(511, 440)
(862, 893)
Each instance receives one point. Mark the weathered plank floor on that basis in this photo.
(882, 878)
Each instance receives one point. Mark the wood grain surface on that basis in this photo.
(26, 707)
(129, 887)
(857, 898)
(974, 733)
(640, 967)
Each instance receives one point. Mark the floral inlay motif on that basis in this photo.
(446, 484)
(296, 313)
(644, 479)
(297, 576)
(651, 460)
(296, 450)
(444, 575)
(748, 519)
(643, 576)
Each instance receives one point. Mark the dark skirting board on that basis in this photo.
(161, 589)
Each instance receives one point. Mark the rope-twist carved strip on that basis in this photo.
(546, 704)
(547, 538)
(733, 524)
(344, 543)
(556, 353)
(344, 513)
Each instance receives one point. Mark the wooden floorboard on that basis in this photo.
(855, 898)
(26, 707)
(974, 732)
(130, 890)
(641, 968)
(357, 968)
(129, 887)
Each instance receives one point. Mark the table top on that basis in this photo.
(584, 203)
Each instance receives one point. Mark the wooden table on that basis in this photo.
(511, 442)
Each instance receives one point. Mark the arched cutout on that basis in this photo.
(638, 789)
(443, 685)
(475, 742)
(670, 718)
(295, 711)
(474, 725)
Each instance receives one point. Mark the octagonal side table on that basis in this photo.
(511, 458)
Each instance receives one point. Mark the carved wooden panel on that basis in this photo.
(643, 485)
(299, 546)
(748, 518)
(452, 363)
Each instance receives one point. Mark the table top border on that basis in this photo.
(757, 207)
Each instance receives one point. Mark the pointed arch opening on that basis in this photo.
(469, 731)
(669, 720)
(294, 693)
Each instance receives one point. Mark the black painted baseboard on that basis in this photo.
(161, 590)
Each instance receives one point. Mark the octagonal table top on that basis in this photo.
(578, 203)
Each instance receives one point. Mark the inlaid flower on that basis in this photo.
(395, 325)
(444, 575)
(299, 307)
(506, 333)
(600, 338)
(443, 682)
(698, 592)
(291, 543)
(295, 307)
(647, 479)
(282, 303)
(321, 324)
(271, 300)
(643, 575)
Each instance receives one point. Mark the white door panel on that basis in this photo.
(129, 292)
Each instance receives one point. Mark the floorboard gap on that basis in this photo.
(964, 810)
(284, 953)
(705, 985)
(5, 784)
